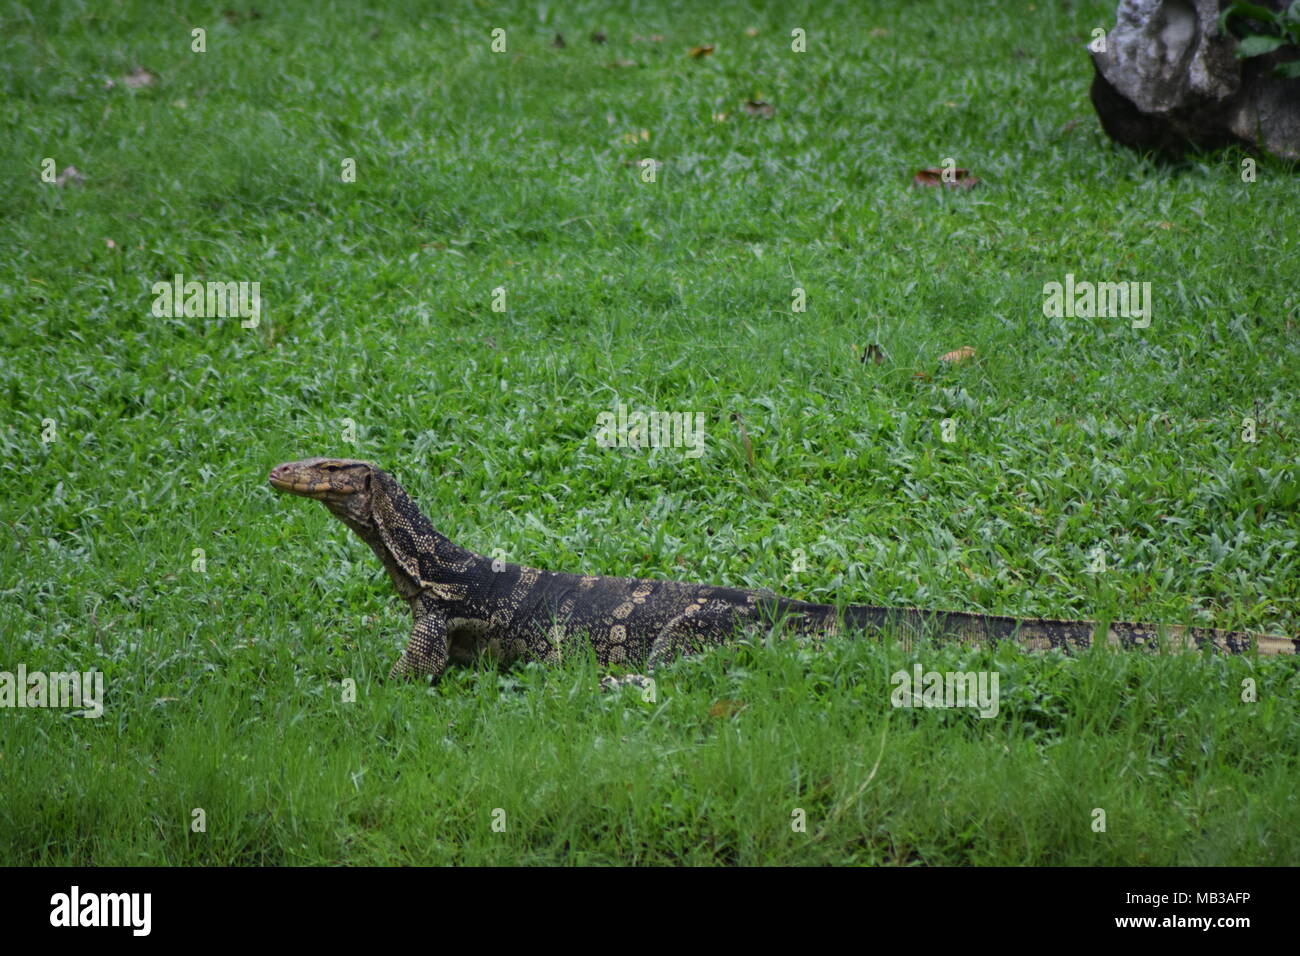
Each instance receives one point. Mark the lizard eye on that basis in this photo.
(330, 467)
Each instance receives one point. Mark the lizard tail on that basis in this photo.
(1041, 634)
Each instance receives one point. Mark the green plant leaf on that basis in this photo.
(1290, 22)
(1251, 10)
(1256, 45)
(1290, 70)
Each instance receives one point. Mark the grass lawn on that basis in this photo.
(140, 539)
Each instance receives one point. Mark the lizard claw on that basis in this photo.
(612, 683)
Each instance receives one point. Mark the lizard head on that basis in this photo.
(343, 485)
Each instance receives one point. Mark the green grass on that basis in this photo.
(477, 170)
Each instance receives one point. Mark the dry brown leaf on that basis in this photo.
(961, 178)
(751, 31)
(699, 51)
(726, 708)
(759, 108)
(235, 18)
(71, 176)
(957, 355)
(138, 78)
(873, 352)
(744, 436)
(622, 64)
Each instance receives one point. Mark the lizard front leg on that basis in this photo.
(426, 651)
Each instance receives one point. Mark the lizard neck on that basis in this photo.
(435, 552)
(417, 557)
(405, 585)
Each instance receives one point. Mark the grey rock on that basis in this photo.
(1169, 80)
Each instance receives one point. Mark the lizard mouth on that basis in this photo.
(281, 479)
(286, 478)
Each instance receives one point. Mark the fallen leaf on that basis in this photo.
(558, 42)
(598, 36)
(958, 355)
(138, 78)
(726, 708)
(961, 178)
(633, 137)
(1166, 225)
(699, 51)
(759, 108)
(873, 352)
(234, 17)
(652, 38)
(622, 64)
(879, 32)
(751, 31)
(71, 176)
(744, 436)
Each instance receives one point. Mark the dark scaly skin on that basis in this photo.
(463, 608)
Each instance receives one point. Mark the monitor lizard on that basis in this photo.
(466, 605)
